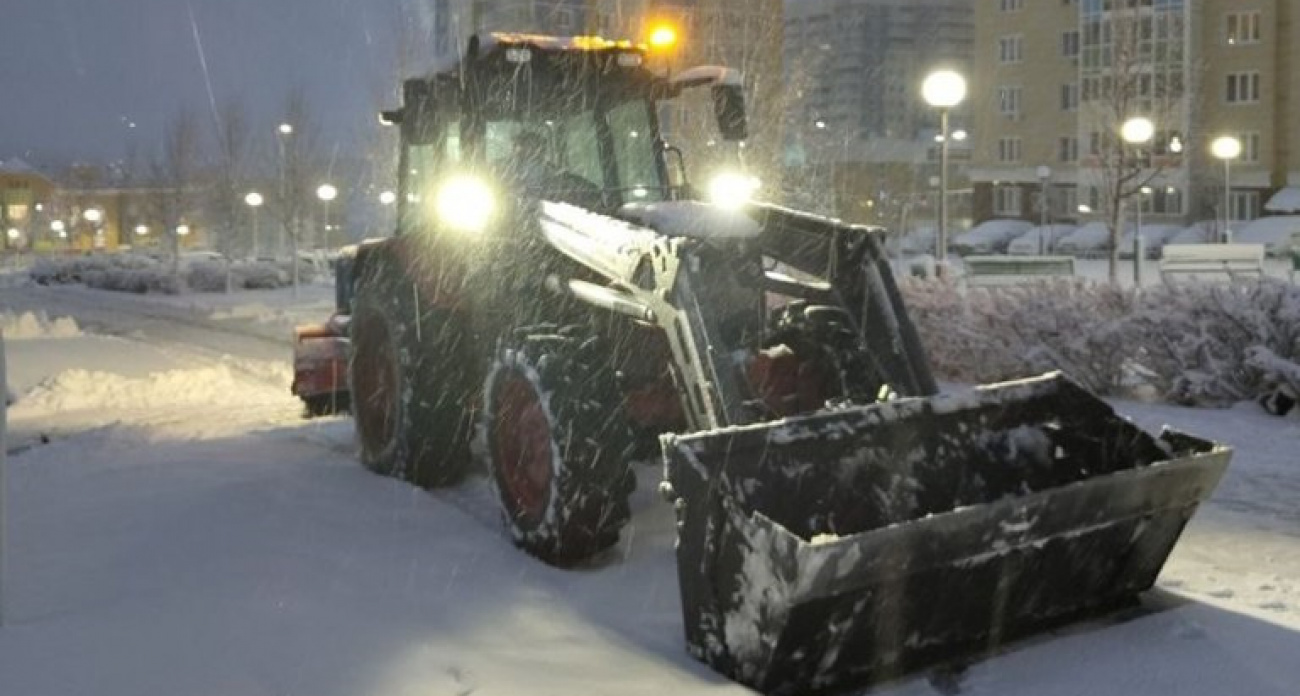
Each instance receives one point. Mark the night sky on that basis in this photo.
(74, 74)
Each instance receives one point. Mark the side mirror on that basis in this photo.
(729, 108)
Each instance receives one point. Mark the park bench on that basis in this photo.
(1230, 261)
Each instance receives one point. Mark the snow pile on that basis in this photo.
(37, 325)
(144, 274)
(86, 390)
(1210, 345)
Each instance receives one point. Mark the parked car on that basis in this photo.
(1280, 234)
(1154, 238)
(1202, 232)
(1090, 240)
(989, 237)
(1039, 239)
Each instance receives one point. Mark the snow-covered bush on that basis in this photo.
(208, 276)
(1219, 344)
(135, 273)
(1194, 344)
(999, 333)
(140, 280)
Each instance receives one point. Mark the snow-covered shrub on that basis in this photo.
(1195, 344)
(1005, 332)
(142, 280)
(58, 270)
(207, 276)
(261, 275)
(1219, 344)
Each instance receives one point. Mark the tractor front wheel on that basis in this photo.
(558, 447)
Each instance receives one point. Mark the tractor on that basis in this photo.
(560, 300)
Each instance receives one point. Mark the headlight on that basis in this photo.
(465, 203)
(731, 189)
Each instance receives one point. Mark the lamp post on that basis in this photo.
(1226, 148)
(59, 230)
(283, 131)
(1137, 131)
(95, 217)
(1044, 175)
(943, 89)
(254, 201)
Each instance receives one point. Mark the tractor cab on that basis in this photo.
(573, 120)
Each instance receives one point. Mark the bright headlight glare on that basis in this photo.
(731, 189)
(465, 203)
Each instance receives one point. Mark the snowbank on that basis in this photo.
(85, 390)
(30, 325)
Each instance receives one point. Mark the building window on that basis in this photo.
(1244, 205)
(1009, 149)
(1070, 96)
(1007, 200)
(1009, 101)
(1010, 49)
(1011, 5)
(1070, 44)
(1068, 149)
(1249, 147)
(1243, 28)
(1243, 88)
(564, 19)
(1166, 201)
(1069, 199)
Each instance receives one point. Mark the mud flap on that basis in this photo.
(854, 546)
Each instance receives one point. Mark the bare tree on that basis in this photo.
(231, 175)
(296, 151)
(1131, 84)
(176, 175)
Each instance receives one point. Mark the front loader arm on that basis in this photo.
(852, 260)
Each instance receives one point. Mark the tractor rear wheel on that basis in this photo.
(408, 383)
(558, 447)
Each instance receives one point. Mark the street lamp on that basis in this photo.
(182, 230)
(326, 193)
(387, 198)
(254, 201)
(1137, 131)
(1226, 148)
(943, 89)
(284, 130)
(59, 229)
(141, 230)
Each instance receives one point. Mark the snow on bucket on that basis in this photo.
(856, 545)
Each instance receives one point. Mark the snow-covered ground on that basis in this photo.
(184, 531)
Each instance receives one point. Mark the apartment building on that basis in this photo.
(1053, 81)
(856, 68)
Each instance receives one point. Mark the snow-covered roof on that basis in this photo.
(1028, 242)
(1199, 232)
(1152, 235)
(1093, 235)
(584, 43)
(1285, 201)
(692, 219)
(15, 165)
(994, 230)
(1278, 232)
(706, 74)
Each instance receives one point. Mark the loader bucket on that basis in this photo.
(854, 546)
